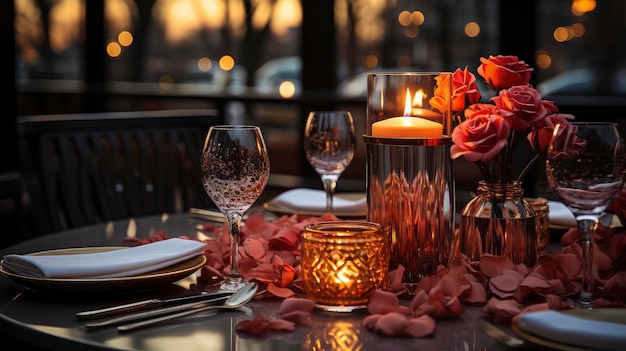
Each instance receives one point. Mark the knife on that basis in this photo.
(148, 304)
(156, 312)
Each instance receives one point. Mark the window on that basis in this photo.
(576, 47)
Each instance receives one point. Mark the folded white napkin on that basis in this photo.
(315, 200)
(572, 329)
(110, 264)
(559, 214)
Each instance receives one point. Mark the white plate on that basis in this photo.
(280, 208)
(613, 315)
(134, 283)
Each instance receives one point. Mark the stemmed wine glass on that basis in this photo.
(585, 169)
(329, 145)
(235, 169)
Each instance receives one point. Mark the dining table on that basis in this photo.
(46, 319)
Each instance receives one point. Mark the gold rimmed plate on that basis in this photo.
(145, 281)
(610, 315)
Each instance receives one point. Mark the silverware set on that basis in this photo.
(141, 314)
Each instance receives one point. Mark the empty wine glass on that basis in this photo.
(329, 145)
(585, 169)
(235, 169)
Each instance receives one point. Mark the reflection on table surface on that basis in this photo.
(47, 320)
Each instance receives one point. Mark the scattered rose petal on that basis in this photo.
(280, 292)
(281, 325)
(502, 311)
(420, 327)
(504, 285)
(254, 248)
(297, 310)
(383, 302)
(395, 277)
(256, 326)
(492, 266)
(391, 324)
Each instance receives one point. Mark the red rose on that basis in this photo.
(480, 138)
(618, 206)
(442, 90)
(540, 137)
(503, 72)
(464, 89)
(477, 110)
(521, 106)
(566, 144)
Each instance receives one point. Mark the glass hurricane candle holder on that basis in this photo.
(343, 262)
(410, 178)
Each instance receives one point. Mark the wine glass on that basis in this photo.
(329, 145)
(585, 169)
(235, 169)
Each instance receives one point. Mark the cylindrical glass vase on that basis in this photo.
(410, 176)
(500, 222)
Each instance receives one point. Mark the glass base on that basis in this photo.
(584, 302)
(341, 308)
(233, 284)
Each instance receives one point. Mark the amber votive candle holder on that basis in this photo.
(342, 262)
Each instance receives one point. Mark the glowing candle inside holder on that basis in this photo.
(410, 175)
(343, 262)
(409, 126)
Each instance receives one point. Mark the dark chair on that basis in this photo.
(82, 169)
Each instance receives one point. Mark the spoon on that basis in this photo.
(236, 300)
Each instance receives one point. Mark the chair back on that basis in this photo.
(88, 168)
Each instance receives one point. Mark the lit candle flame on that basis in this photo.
(418, 101)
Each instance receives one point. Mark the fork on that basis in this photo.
(501, 336)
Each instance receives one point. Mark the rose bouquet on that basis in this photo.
(488, 133)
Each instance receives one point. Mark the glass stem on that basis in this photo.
(587, 226)
(330, 182)
(234, 222)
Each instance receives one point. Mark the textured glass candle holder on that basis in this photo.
(410, 177)
(343, 262)
(542, 213)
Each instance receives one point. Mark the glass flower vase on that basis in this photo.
(500, 222)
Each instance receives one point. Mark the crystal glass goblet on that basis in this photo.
(329, 146)
(235, 169)
(585, 167)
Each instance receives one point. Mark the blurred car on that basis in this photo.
(273, 73)
(583, 81)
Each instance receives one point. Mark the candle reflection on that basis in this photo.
(339, 335)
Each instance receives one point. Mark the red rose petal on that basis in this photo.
(285, 240)
(280, 292)
(370, 321)
(254, 248)
(383, 302)
(296, 304)
(255, 326)
(281, 325)
(492, 266)
(420, 327)
(477, 296)
(505, 282)
(391, 324)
